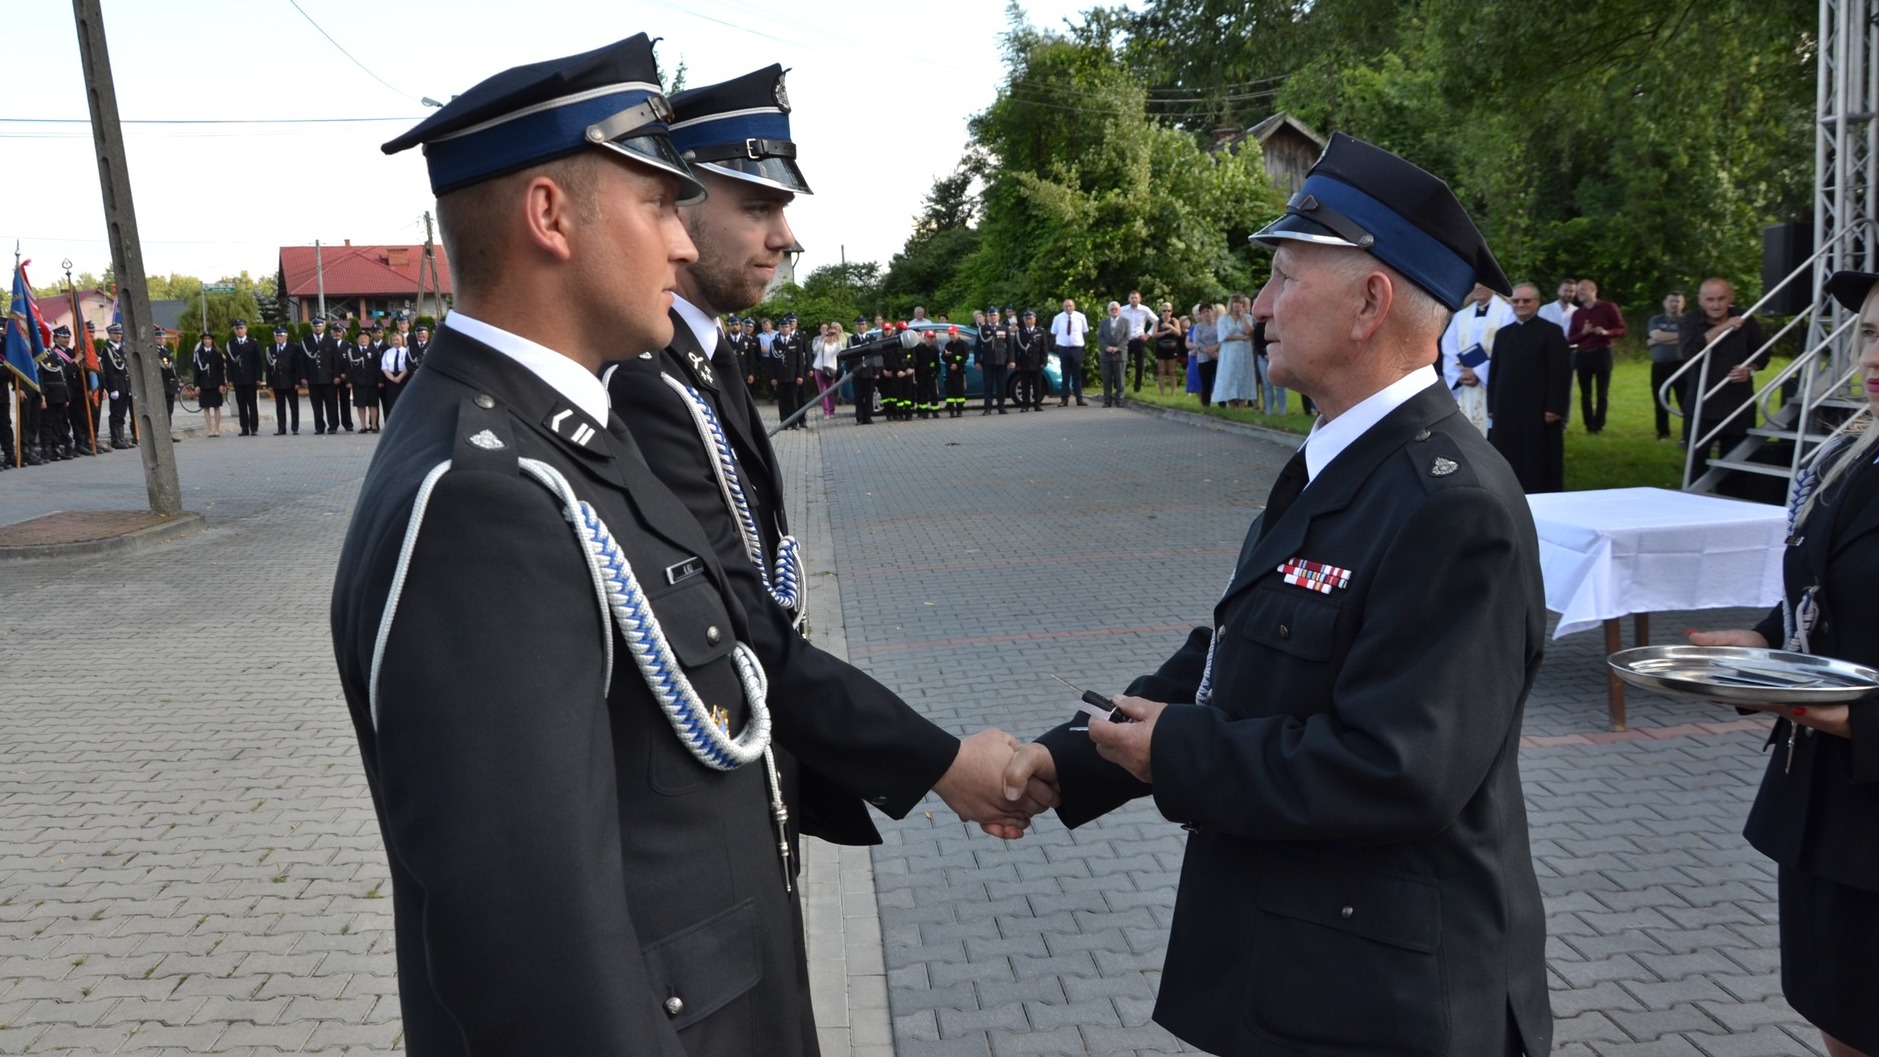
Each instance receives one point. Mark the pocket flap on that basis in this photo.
(706, 965)
(693, 618)
(1396, 909)
(1293, 620)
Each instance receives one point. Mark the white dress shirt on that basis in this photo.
(575, 383)
(1329, 439)
(1069, 328)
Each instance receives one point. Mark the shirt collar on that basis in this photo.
(575, 384)
(704, 328)
(1328, 439)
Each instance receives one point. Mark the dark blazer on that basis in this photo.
(562, 868)
(210, 367)
(1822, 814)
(662, 426)
(321, 360)
(244, 361)
(283, 362)
(1357, 878)
(1734, 349)
(114, 361)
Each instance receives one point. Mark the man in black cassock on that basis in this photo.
(1529, 392)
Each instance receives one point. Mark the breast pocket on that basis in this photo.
(1293, 620)
(697, 628)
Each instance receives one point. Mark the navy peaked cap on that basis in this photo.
(278, 331)
(1364, 197)
(61, 331)
(740, 128)
(608, 97)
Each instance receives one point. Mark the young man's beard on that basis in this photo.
(726, 287)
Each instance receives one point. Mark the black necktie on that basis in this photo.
(1292, 481)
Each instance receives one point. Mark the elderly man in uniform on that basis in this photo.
(1357, 877)
(284, 371)
(563, 725)
(117, 385)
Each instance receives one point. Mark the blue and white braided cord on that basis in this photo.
(646, 641)
(1204, 694)
(784, 579)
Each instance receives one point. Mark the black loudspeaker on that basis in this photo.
(1784, 248)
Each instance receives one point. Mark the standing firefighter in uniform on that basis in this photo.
(282, 360)
(1343, 745)
(244, 377)
(562, 722)
(958, 348)
(926, 367)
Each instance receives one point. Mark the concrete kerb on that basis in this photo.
(1219, 425)
(162, 532)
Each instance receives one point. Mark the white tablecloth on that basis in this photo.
(1617, 551)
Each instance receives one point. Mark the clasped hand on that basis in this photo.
(1025, 781)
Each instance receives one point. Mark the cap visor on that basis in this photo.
(1851, 288)
(780, 173)
(1297, 228)
(656, 151)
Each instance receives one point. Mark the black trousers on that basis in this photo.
(1207, 372)
(864, 399)
(325, 401)
(788, 397)
(247, 410)
(6, 427)
(1070, 357)
(1030, 388)
(342, 394)
(956, 391)
(31, 426)
(994, 381)
(120, 410)
(83, 428)
(55, 427)
(1594, 367)
(286, 410)
(1138, 352)
(926, 393)
(387, 396)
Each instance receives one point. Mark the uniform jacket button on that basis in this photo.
(1344, 913)
(712, 634)
(1285, 631)
(878, 801)
(674, 1006)
(485, 401)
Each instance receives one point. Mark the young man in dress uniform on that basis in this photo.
(1357, 877)
(244, 377)
(581, 828)
(117, 386)
(56, 374)
(996, 358)
(1032, 347)
(282, 360)
(793, 366)
(419, 345)
(320, 359)
(866, 368)
(741, 232)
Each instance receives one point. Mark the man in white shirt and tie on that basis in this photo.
(1069, 330)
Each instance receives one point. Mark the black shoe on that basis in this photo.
(280, 433)
(986, 412)
(348, 429)
(1001, 410)
(1081, 403)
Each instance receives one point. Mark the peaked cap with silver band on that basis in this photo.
(1364, 197)
(608, 97)
(740, 128)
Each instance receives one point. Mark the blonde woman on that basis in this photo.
(832, 341)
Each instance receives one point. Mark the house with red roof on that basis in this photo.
(365, 282)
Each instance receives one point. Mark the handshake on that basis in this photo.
(1000, 783)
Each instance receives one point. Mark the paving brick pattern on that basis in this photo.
(978, 556)
(191, 864)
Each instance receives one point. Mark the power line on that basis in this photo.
(203, 120)
(343, 51)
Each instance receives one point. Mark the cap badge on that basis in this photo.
(782, 96)
(487, 441)
(1443, 467)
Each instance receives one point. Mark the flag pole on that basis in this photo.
(19, 426)
(85, 358)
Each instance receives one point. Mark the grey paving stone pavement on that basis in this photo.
(190, 863)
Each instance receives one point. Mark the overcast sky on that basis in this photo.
(882, 90)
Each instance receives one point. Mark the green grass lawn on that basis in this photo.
(1627, 454)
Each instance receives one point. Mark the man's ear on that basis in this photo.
(548, 216)
(1375, 294)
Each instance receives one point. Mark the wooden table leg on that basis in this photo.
(1614, 686)
(1641, 625)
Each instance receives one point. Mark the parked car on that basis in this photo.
(975, 379)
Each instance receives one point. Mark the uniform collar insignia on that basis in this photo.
(571, 427)
(645, 355)
(1443, 467)
(702, 368)
(487, 441)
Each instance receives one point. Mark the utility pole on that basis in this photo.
(319, 277)
(429, 260)
(127, 257)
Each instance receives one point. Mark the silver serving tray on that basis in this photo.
(1746, 676)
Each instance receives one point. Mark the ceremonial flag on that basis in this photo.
(26, 331)
(81, 338)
